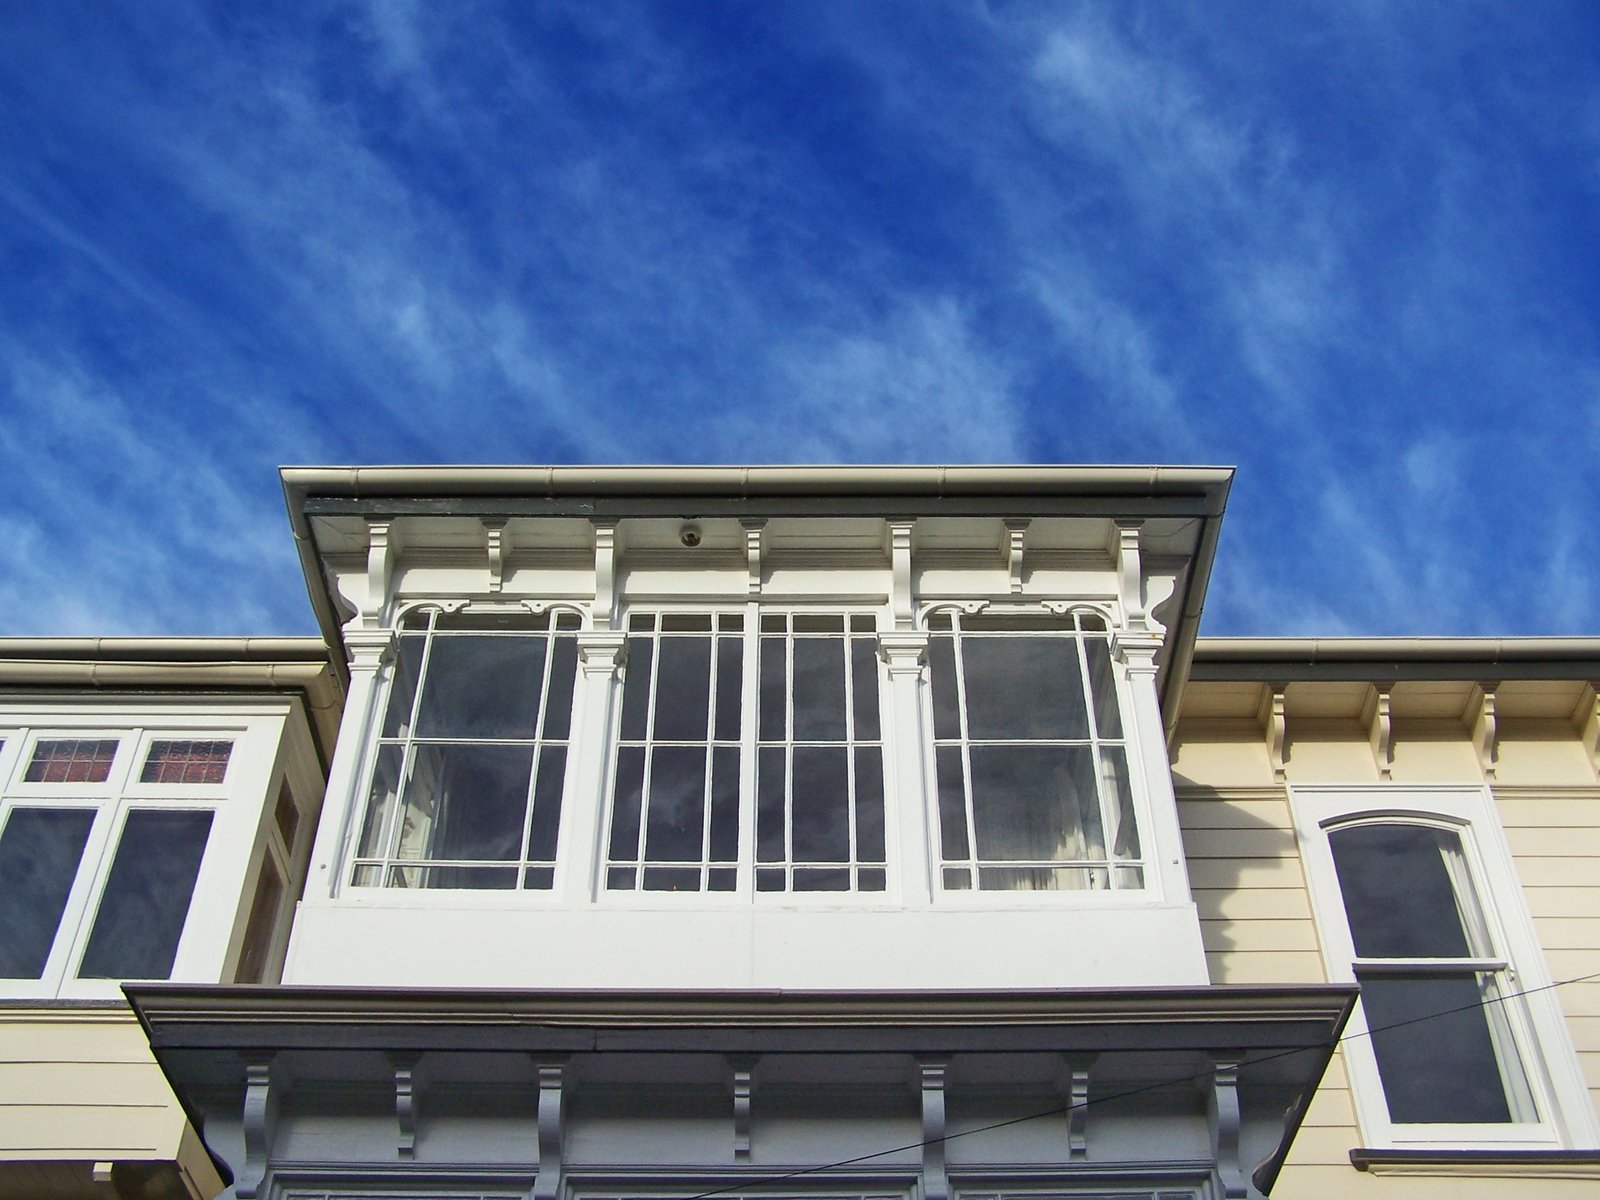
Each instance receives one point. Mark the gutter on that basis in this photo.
(1377, 659)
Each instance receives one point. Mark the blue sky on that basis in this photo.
(1351, 248)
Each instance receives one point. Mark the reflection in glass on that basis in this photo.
(145, 901)
(40, 849)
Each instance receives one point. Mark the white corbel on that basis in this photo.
(743, 1067)
(497, 544)
(382, 543)
(1074, 1087)
(900, 562)
(754, 548)
(552, 1078)
(1222, 1109)
(1130, 577)
(262, 1093)
(1016, 534)
(1380, 729)
(1586, 721)
(1273, 716)
(605, 573)
(1480, 717)
(407, 1099)
(935, 1179)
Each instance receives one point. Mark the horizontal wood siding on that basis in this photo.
(83, 1087)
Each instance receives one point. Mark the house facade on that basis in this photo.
(888, 832)
(157, 798)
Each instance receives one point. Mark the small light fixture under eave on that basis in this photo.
(690, 535)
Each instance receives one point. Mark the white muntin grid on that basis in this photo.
(399, 835)
(1113, 830)
(714, 780)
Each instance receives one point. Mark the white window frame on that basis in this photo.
(1532, 1011)
(745, 892)
(233, 805)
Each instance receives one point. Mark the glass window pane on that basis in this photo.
(563, 673)
(1041, 879)
(1119, 801)
(1397, 890)
(774, 691)
(482, 687)
(725, 804)
(730, 685)
(771, 776)
(286, 815)
(686, 623)
(636, 689)
(683, 691)
(466, 801)
(822, 879)
(942, 671)
(40, 850)
(952, 802)
(263, 922)
(1035, 803)
(626, 794)
(821, 804)
(1103, 686)
(998, 670)
(407, 671)
(869, 804)
(675, 820)
(864, 685)
(385, 786)
(186, 762)
(818, 687)
(146, 897)
(546, 824)
(1434, 1048)
(71, 760)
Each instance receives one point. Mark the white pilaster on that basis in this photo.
(1163, 844)
(578, 851)
(905, 652)
(369, 651)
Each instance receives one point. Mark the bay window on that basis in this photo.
(1030, 762)
(472, 755)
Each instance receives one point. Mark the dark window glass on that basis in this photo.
(262, 924)
(482, 687)
(1021, 687)
(146, 898)
(1397, 890)
(1435, 1053)
(465, 801)
(40, 851)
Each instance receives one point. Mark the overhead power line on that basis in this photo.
(1061, 1109)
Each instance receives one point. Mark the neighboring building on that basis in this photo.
(886, 833)
(157, 799)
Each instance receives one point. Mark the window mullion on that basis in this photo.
(749, 747)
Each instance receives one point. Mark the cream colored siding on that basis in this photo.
(82, 1085)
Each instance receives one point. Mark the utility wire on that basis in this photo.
(1330, 1044)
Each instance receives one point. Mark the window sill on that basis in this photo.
(1479, 1163)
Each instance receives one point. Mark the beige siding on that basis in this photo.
(82, 1085)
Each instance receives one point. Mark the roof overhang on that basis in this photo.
(1193, 496)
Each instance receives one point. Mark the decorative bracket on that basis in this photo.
(900, 561)
(1016, 532)
(1586, 720)
(382, 542)
(498, 545)
(1074, 1085)
(547, 1183)
(753, 550)
(935, 1179)
(1275, 725)
(1130, 577)
(1380, 730)
(262, 1090)
(1480, 717)
(1222, 1109)
(407, 1100)
(743, 1067)
(605, 573)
